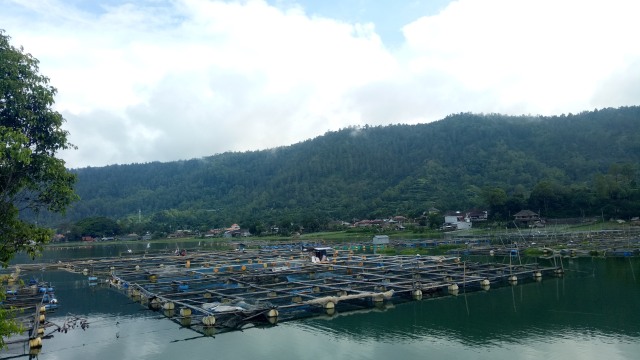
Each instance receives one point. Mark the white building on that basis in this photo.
(457, 221)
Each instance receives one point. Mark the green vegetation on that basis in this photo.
(578, 166)
(533, 252)
(7, 324)
(31, 177)
(95, 227)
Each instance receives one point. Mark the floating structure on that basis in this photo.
(20, 298)
(35, 293)
(213, 292)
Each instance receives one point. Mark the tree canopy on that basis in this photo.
(31, 177)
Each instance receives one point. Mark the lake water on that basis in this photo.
(593, 312)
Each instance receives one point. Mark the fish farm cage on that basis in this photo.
(218, 291)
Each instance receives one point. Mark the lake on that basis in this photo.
(592, 312)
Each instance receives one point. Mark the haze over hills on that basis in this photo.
(567, 165)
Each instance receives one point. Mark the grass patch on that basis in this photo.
(533, 252)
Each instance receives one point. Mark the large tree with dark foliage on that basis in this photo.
(31, 177)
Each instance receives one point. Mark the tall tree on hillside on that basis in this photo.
(496, 198)
(31, 177)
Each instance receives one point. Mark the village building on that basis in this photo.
(456, 221)
(129, 237)
(380, 239)
(235, 231)
(527, 217)
(477, 215)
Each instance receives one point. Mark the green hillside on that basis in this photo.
(568, 165)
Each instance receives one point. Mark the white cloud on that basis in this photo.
(541, 56)
(168, 80)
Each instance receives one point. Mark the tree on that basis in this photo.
(435, 220)
(514, 204)
(496, 198)
(98, 226)
(32, 179)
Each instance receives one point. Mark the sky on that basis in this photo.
(164, 80)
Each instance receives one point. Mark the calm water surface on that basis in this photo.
(593, 312)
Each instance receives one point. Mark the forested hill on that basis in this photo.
(567, 165)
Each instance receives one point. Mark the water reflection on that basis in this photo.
(590, 312)
(62, 252)
(595, 298)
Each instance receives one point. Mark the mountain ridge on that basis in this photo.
(375, 171)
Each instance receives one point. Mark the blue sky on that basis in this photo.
(388, 16)
(164, 80)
